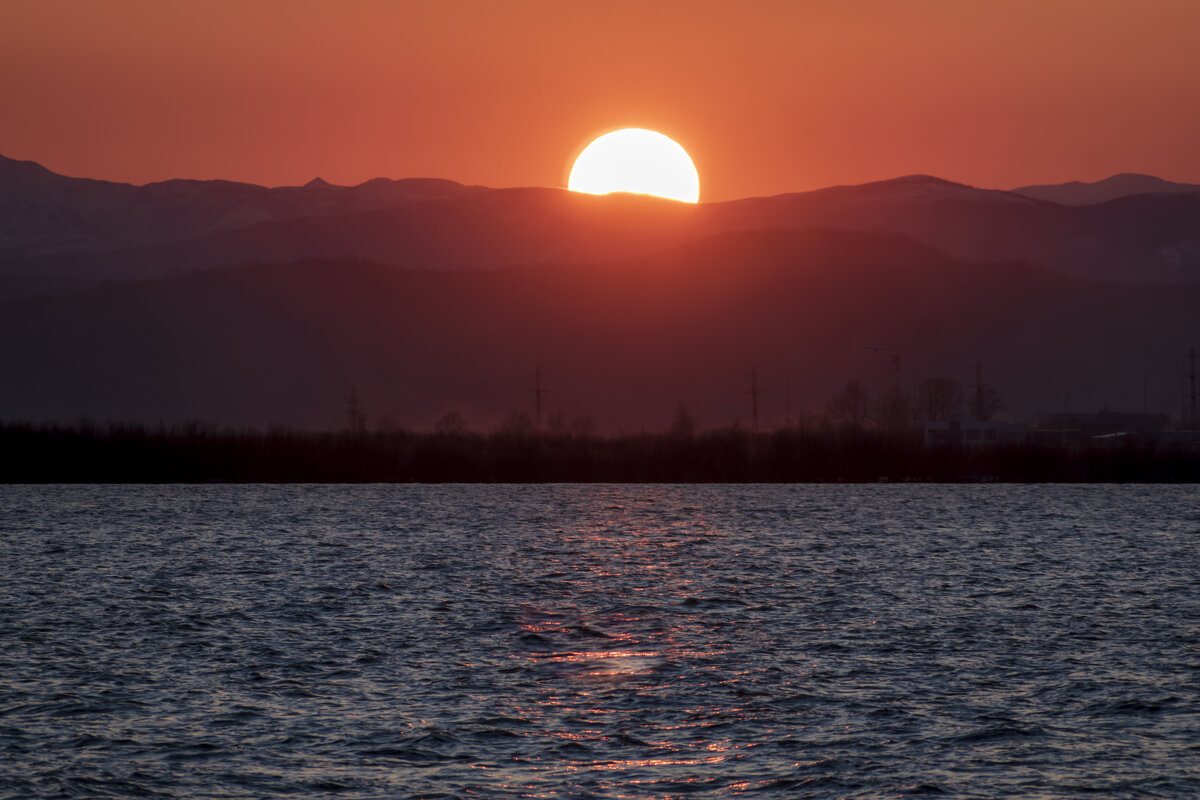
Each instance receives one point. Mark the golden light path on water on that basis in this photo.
(600, 641)
(623, 566)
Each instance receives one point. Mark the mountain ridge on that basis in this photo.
(122, 232)
(1122, 184)
(45, 213)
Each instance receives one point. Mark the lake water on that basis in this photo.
(600, 641)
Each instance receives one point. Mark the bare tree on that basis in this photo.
(986, 402)
(583, 427)
(684, 424)
(356, 418)
(849, 408)
(452, 423)
(557, 423)
(939, 399)
(518, 423)
(893, 410)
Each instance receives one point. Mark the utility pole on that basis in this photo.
(356, 420)
(754, 393)
(978, 390)
(1193, 409)
(538, 391)
(787, 402)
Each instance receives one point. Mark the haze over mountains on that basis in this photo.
(48, 214)
(1122, 185)
(69, 228)
(429, 296)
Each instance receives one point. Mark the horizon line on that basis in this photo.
(319, 181)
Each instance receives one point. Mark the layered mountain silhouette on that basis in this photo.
(1124, 184)
(43, 213)
(620, 342)
(58, 231)
(240, 305)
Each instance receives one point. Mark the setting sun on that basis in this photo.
(636, 160)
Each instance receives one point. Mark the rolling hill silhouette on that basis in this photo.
(44, 213)
(62, 232)
(1123, 184)
(241, 305)
(621, 341)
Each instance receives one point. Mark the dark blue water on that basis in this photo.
(593, 641)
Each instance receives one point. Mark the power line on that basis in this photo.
(538, 391)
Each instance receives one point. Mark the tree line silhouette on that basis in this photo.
(518, 452)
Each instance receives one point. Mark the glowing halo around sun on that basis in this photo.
(636, 160)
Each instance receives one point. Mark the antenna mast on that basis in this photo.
(978, 389)
(787, 401)
(754, 393)
(1193, 409)
(538, 391)
(356, 419)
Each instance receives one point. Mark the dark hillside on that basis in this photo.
(621, 342)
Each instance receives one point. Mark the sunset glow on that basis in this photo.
(636, 160)
(768, 98)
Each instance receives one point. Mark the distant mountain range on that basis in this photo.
(57, 231)
(1122, 185)
(241, 305)
(621, 342)
(43, 213)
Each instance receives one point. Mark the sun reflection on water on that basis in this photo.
(599, 641)
(624, 588)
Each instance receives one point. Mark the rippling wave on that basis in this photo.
(600, 641)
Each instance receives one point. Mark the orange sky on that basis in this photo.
(768, 96)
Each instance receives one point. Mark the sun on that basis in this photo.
(636, 160)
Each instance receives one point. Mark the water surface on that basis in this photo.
(600, 641)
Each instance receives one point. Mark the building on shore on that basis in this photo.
(972, 433)
(1105, 429)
